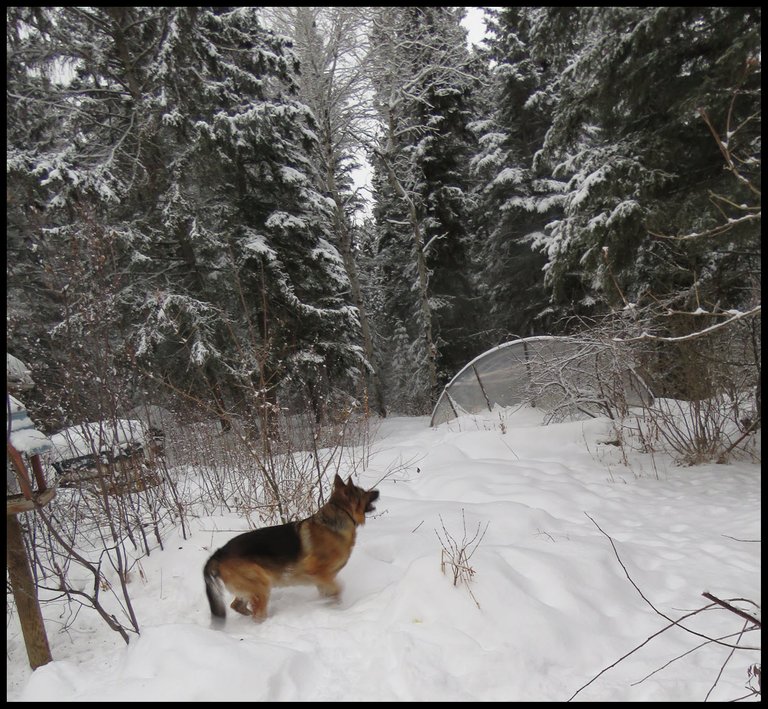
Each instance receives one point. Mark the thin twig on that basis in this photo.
(680, 657)
(722, 667)
(642, 644)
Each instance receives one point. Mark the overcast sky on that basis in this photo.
(474, 24)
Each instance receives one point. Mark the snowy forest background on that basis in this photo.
(183, 228)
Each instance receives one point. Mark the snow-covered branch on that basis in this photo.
(736, 315)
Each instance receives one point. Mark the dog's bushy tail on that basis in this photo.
(213, 590)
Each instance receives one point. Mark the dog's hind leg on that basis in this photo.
(240, 605)
(329, 588)
(247, 580)
(259, 605)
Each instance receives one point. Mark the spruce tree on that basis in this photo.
(331, 44)
(628, 139)
(180, 140)
(423, 85)
(514, 201)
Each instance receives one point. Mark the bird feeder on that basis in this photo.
(25, 492)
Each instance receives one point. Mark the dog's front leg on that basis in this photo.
(329, 588)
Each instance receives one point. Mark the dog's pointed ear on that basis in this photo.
(349, 480)
(337, 481)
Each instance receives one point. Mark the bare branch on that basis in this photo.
(737, 611)
(715, 231)
(635, 649)
(737, 315)
(673, 623)
(656, 610)
(722, 667)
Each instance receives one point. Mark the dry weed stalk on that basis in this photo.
(456, 554)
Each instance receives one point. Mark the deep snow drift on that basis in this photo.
(555, 606)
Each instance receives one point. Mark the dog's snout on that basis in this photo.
(372, 496)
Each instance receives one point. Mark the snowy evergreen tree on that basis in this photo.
(180, 137)
(628, 139)
(442, 155)
(179, 200)
(331, 44)
(514, 201)
(423, 83)
(30, 128)
(592, 141)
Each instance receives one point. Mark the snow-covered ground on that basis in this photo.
(550, 605)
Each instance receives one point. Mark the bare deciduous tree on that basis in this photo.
(332, 46)
(410, 67)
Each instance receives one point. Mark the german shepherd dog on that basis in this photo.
(311, 551)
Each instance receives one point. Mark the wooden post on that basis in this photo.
(21, 471)
(37, 468)
(24, 593)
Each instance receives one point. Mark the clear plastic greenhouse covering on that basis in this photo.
(565, 377)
